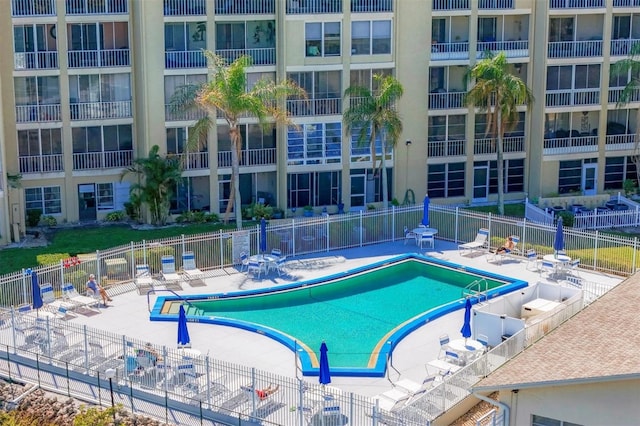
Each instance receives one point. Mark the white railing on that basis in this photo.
(33, 7)
(194, 160)
(303, 107)
(313, 6)
(226, 7)
(607, 219)
(449, 51)
(571, 49)
(575, 4)
(37, 113)
(488, 145)
(170, 114)
(446, 100)
(262, 56)
(495, 4)
(538, 215)
(626, 3)
(98, 58)
(513, 49)
(35, 60)
(446, 148)
(554, 98)
(577, 144)
(622, 47)
(371, 6)
(97, 110)
(249, 157)
(620, 142)
(616, 92)
(41, 163)
(450, 4)
(102, 160)
(93, 7)
(185, 59)
(185, 7)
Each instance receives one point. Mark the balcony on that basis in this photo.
(184, 59)
(98, 58)
(570, 145)
(100, 110)
(574, 49)
(244, 7)
(450, 5)
(102, 160)
(37, 113)
(620, 142)
(369, 6)
(249, 157)
(185, 7)
(443, 100)
(41, 163)
(450, 51)
(488, 145)
(96, 7)
(575, 97)
(194, 160)
(261, 56)
(313, 6)
(626, 3)
(35, 60)
(616, 92)
(575, 4)
(190, 115)
(513, 49)
(33, 8)
(446, 148)
(301, 108)
(496, 4)
(622, 47)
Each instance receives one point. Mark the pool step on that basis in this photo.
(193, 310)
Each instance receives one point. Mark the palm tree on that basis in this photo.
(227, 93)
(630, 94)
(372, 114)
(495, 86)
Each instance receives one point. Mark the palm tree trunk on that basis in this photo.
(234, 196)
(500, 161)
(385, 187)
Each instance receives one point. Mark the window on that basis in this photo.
(447, 128)
(560, 29)
(173, 82)
(318, 143)
(99, 88)
(513, 176)
(319, 84)
(364, 78)
(569, 176)
(366, 187)
(370, 37)
(37, 90)
(105, 196)
(545, 421)
(38, 142)
(188, 36)
(361, 151)
(486, 29)
(559, 77)
(587, 76)
(105, 138)
(445, 180)
(617, 170)
(322, 39)
(315, 189)
(231, 36)
(46, 199)
(621, 27)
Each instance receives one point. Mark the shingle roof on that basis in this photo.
(600, 342)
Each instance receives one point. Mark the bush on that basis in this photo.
(132, 210)
(33, 217)
(51, 258)
(567, 218)
(154, 256)
(261, 211)
(77, 278)
(117, 216)
(48, 221)
(196, 217)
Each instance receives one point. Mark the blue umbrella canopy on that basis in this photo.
(325, 375)
(558, 242)
(466, 326)
(35, 291)
(425, 212)
(183, 332)
(263, 235)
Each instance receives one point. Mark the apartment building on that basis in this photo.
(86, 88)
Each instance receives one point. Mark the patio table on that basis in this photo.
(559, 261)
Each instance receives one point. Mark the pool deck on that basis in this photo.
(128, 314)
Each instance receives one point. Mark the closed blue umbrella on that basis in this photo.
(558, 242)
(263, 235)
(466, 326)
(325, 375)
(35, 291)
(425, 212)
(183, 332)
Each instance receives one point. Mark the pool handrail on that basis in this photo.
(187, 302)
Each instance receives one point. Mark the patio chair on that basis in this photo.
(484, 340)
(533, 264)
(276, 252)
(499, 256)
(189, 267)
(143, 279)
(549, 268)
(409, 235)
(444, 341)
(257, 268)
(71, 295)
(281, 266)
(453, 358)
(244, 261)
(481, 243)
(168, 271)
(49, 299)
(403, 393)
(574, 268)
(98, 357)
(427, 239)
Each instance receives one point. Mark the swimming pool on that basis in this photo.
(361, 313)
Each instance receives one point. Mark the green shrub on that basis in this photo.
(48, 221)
(33, 217)
(567, 218)
(132, 210)
(261, 211)
(78, 278)
(116, 216)
(51, 258)
(154, 256)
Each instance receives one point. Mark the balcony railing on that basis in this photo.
(185, 59)
(184, 7)
(450, 4)
(190, 115)
(249, 157)
(571, 145)
(622, 47)
(315, 107)
(572, 97)
(96, 7)
(495, 4)
(446, 100)
(446, 148)
(620, 142)
(37, 113)
(243, 7)
(265, 56)
(575, 49)
(41, 163)
(194, 160)
(35, 60)
(33, 7)
(626, 3)
(488, 145)
(575, 4)
(371, 6)
(98, 58)
(314, 6)
(100, 110)
(616, 92)
(449, 51)
(513, 49)
(102, 160)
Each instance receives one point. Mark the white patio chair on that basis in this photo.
(258, 268)
(574, 268)
(169, 274)
(549, 268)
(481, 243)
(50, 301)
(427, 239)
(143, 279)
(533, 264)
(244, 261)
(444, 342)
(409, 235)
(71, 295)
(189, 267)
(276, 252)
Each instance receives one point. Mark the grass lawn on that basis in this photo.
(512, 210)
(87, 240)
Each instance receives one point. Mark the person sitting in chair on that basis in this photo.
(269, 390)
(507, 246)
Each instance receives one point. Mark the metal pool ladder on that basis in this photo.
(477, 288)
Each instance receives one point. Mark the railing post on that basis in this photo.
(360, 227)
(393, 223)
(595, 250)
(222, 249)
(633, 260)
(456, 218)
(293, 235)
(98, 266)
(327, 232)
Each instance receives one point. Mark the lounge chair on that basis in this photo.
(50, 302)
(143, 279)
(72, 296)
(500, 256)
(404, 393)
(169, 274)
(189, 267)
(481, 243)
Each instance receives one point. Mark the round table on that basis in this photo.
(189, 352)
(467, 349)
(269, 259)
(559, 262)
(420, 231)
